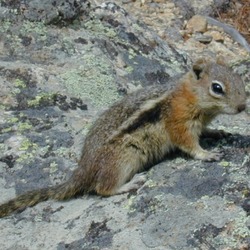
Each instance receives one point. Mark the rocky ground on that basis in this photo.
(63, 62)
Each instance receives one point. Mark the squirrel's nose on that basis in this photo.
(241, 107)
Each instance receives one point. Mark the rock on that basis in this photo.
(216, 35)
(202, 7)
(171, 34)
(248, 223)
(47, 11)
(197, 24)
(202, 38)
(246, 205)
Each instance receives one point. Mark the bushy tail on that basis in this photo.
(61, 192)
(25, 200)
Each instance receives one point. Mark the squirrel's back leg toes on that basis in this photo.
(137, 181)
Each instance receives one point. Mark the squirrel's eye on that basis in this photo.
(217, 88)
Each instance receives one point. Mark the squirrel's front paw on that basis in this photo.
(209, 156)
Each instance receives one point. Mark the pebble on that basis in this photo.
(203, 38)
(197, 24)
(216, 35)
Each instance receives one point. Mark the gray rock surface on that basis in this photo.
(57, 72)
(47, 11)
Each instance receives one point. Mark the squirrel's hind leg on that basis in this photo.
(123, 178)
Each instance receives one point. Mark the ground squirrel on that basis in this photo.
(139, 130)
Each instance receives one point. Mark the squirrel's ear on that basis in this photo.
(199, 67)
(221, 60)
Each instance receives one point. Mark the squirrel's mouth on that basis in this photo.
(235, 110)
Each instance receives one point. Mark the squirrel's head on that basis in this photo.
(219, 89)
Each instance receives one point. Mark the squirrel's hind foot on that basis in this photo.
(136, 182)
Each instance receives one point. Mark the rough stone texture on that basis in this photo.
(197, 24)
(217, 36)
(190, 8)
(47, 11)
(55, 79)
(168, 20)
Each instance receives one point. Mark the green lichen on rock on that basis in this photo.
(224, 164)
(15, 125)
(97, 28)
(53, 167)
(41, 98)
(19, 83)
(37, 28)
(22, 126)
(5, 25)
(93, 80)
(132, 53)
(68, 46)
(28, 150)
(241, 230)
(150, 183)
(62, 152)
(16, 37)
(238, 231)
(12, 120)
(27, 145)
(130, 204)
(2, 147)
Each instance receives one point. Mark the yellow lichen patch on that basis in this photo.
(129, 204)
(43, 97)
(224, 164)
(53, 167)
(19, 83)
(27, 149)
